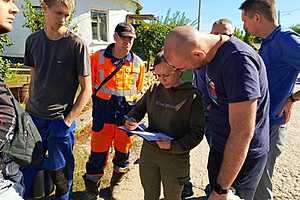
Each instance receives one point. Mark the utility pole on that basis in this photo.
(284, 13)
(199, 15)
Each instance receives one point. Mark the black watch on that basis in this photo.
(218, 189)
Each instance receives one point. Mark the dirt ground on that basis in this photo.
(286, 176)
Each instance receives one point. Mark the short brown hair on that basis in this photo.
(223, 21)
(265, 7)
(69, 3)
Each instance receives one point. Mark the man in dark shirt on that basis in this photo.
(11, 187)
(237, 121)
(59, 63)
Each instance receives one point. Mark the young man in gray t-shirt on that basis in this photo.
(59, 64)
(11, 187)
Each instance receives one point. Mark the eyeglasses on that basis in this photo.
(217, 33)
(172, 66)
(162, 76)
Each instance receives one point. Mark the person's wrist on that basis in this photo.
(219, 189)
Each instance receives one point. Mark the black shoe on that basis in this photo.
(90, 186)
(187, 190)
(105, 193)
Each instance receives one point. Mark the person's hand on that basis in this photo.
(131, 124)
(287, 110)
(164, 144)
(228, 196)
(216, 196)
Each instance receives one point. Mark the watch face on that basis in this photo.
(218, 189)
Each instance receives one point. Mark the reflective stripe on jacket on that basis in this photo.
(127, 82)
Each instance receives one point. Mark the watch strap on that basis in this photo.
(218, 189)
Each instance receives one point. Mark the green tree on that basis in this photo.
(151, 35)
(150, 39)
(296, 28)
(246, 37)
(4, 63)
(35, 17)
(176, 19)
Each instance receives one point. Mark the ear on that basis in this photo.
(115, 36)
(44, 6)
(257, 17)
(198, 54)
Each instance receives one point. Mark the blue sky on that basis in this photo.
(212, 10)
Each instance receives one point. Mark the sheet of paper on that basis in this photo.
(149, 136)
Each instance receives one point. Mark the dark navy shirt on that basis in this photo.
(281, 54)
(200, 83)
(237, 74)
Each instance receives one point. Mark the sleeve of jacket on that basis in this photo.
(139, 110)
(140, 81)
(94, 61)
(196, 131)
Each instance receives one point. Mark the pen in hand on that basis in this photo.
(131, 119)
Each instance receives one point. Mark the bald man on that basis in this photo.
(223, 26)
(237, 121)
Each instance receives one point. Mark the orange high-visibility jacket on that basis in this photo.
(127, 82)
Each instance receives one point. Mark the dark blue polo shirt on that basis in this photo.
(237, 74)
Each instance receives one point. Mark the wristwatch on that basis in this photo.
(218, 189)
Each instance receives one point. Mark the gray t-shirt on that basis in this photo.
(57, 66)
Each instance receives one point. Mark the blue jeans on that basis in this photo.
(264, 189)
(247, 180)
(58, 140)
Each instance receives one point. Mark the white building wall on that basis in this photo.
(116, 10)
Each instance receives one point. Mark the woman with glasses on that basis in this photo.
(173, 108)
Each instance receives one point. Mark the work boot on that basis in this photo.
(105, 193)
(92, 184)
(115, 185)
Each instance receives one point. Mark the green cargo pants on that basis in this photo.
(158, 166)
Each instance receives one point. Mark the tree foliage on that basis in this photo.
(176, 19)
(35, 16)
(4, 63)
(246, 37)
(151, 35)
(150, 39)
(296, 28)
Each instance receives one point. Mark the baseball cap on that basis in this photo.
(125, 29)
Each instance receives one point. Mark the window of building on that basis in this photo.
(99, 25)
